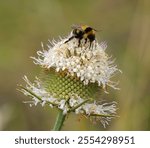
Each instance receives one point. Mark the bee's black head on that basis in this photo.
(78, 33)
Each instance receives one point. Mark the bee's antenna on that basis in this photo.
(98, 30)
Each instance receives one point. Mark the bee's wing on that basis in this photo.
(76, 26)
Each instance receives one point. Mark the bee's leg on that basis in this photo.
(79, 42)
(95, 44)
(69, 39)
(85, 41)
(90, 44)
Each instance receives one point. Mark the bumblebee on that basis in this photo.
(82, 32)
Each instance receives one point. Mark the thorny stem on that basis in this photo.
(59, 121)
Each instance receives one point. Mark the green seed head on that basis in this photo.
(63, 86)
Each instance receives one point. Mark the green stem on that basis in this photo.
(59, 121)
(73, 109)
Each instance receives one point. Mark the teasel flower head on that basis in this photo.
(73, 78)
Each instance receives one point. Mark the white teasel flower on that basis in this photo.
(90, 65)
(73, 78)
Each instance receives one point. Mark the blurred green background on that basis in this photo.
(124, 24)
